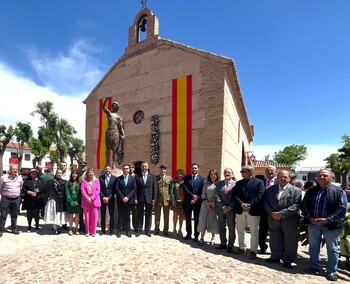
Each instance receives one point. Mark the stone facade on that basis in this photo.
(141, 80)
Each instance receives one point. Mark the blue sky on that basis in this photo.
(292, 58)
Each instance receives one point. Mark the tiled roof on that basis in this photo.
(264, 164)
(16, 145)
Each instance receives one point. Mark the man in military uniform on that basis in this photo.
(163, 182)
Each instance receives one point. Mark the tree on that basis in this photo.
(38, 149)
(6, 135)
(76, 150)
(334, 163)
(55, 131)
(339, 162)
(23, 132)
(291, 155)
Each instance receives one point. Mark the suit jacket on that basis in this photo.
(146, 191)
(195, 188)
(95, 196)
(224, 199)
(128, 190)
(249, 191)
(289, 203)
(111, 189)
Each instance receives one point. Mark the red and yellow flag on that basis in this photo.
(182, 124)
(101, 143)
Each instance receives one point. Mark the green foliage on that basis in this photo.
(54, 131)
(76, 149)
(345, 233)
(23, 132)
(291, 155)
(302, 229)
(38, 150)
(339, 162)
(6, 134)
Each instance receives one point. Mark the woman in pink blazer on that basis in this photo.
(90, 201)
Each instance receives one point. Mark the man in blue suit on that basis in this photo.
(192, 203)
(125, 200)
(108, 188)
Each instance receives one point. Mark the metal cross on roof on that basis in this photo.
(143, 2)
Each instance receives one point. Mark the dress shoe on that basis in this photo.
(165, 233)
(332, 276)
(271, 260)
(312, 270)
(110, 233)
(15, 231)
(187, 237)
(201, 242)
(118, 234)
(137, 234)
(195, 239)
(156, 231)
(221, 246)
(239, 251)
(128, 234)
(0, 234)
(287, 265)
(262, 251)
(229, 250)
(252, 255)
(148, 234)
(102, 233)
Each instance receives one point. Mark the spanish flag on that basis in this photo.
(101, 143)
(182, 124)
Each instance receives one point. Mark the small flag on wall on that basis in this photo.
(101, 143)
(182, 124)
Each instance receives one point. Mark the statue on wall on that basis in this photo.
(115, 134)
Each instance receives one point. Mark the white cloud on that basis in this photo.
(71, 73)
(315, 158)
(19, 95)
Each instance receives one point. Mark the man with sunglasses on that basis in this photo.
(248, 194)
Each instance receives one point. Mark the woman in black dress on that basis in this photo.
(32, 198)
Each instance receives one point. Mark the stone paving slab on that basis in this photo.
(45, 258)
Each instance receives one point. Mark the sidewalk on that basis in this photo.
(45, 258)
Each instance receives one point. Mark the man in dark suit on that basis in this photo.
(108, 188)
(248, 204)
(125, 200)
(269, 180)
(192, 203)
(224, 205)
(146, 194)
(282, 203)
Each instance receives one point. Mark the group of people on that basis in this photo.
(271, 206)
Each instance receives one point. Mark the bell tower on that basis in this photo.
(144, 32)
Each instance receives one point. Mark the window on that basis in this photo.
(27, 157)
(14, 155)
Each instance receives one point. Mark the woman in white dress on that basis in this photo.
(208, 220)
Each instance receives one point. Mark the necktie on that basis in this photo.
(227, 189)
(107, 180)
(144, 178)
(269, 183)
(193, 178)
(126, 180)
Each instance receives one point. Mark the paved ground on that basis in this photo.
(45, 258)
